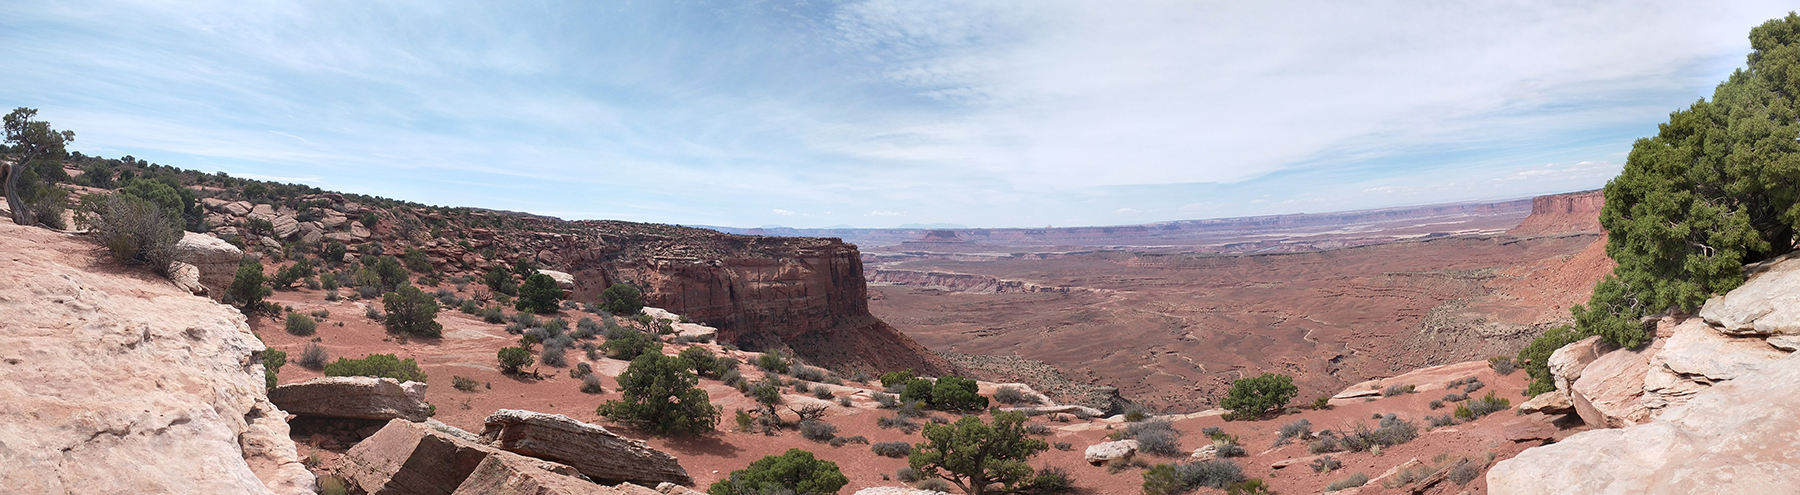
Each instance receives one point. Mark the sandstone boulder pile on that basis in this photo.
(414, 458)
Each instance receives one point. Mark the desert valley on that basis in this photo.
(166, 330)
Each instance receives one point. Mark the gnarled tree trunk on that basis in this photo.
(21, 214)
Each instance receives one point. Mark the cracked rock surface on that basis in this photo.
(114, 380)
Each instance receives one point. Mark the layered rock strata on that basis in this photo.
(596, 452)
(359, 397)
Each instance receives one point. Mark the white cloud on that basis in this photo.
(880, 213)
(782, 212)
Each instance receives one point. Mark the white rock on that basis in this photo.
(1767, 304)
(1099, 453)
(1567, 362)
(1697, 357)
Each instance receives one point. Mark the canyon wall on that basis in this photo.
(1563, 213)
(957, 282)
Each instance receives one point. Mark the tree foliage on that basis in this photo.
(379, 366)
(1256, 397)
(540, 294)
(661, 398)
(1718, 186)
(796, 471)
(30, 140)
(952, 393)
(622, 299)
(411, 311)
(975, 455)
(513, 358)
(247, 287)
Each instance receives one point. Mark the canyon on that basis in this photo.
(1172, 330)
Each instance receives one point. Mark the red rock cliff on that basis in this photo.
(805, 293)
(1563, 213)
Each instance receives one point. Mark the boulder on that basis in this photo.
(333, 220)
(270, 245)
(1552, 402)
(1209, 452)
(1734, 437)
(1567, 362)
(596, 452)
(519, 475)
(1100, 453)
(1610, 391)
(1696, 357)
(285, 226)
(1371, 388)
(262, 212)
(1789, 343)
(114, 383)
(358, 231)
(360, 397)
(1767, 304)
(214, 204)
(187, 277)
(216, 260)
(410, 458)
(674, 489)
(311, 233)
(239, 208)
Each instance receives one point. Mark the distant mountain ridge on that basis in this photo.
(1239, 234)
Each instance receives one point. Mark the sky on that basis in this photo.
(879, 113)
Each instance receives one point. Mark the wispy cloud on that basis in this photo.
(1009, 113)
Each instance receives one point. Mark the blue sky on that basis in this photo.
(879, 113)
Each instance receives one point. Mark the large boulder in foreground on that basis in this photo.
(359, 397)
(1610, 392)
(1735, 437)
(600, 454)
(119, 383)
(216, 260)
(1101, 453)
(1767, 304)
(1567, 362)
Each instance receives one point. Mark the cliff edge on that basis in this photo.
(116, 381)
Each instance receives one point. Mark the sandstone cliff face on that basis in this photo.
(1563, 213)
(115, 381)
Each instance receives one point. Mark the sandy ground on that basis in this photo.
(469, 345)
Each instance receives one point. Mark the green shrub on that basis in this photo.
(513, 358)
(957, 394)
(1355, 480)
(917, 390)
(1258, 397)
(702, 361)
(795, 472)
(974, 453)
(540, 294)
(272, 362)
(817, 431)
(411, 311)
(301, 325)
(659, 395)
(464, 384)
(377, 365)
(772, 361)
(134, 231)
(890, 379)
(590, 384)
(246, 287)
(628, 344)
(313, 357)
(622, 299)
(1011, 395)
(891, 449)
(1170, 479)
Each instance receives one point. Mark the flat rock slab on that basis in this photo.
(520, 475)
(600, 454)
(1767, 304)
(1696, 357)
(360, 397)
(1552, 402)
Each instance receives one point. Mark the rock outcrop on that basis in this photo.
(1552, 402)
(360, 397)
(214, 260)
(1767, 304)
(1696, 357)
(1100, 453)
(1567, 362)
(1563, 213)
(596, 452)
(1610, 391)
(1735, 437)
(115, 383)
